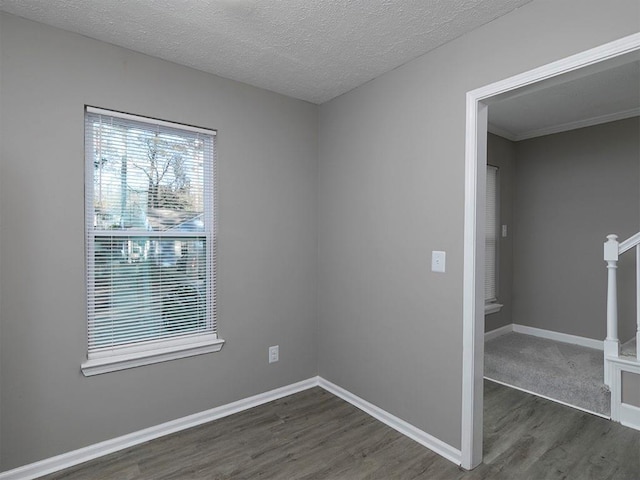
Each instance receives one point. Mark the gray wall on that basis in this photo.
(572, 189)
(389, 185)
(501, 153)
(391, 190)
(267, 152)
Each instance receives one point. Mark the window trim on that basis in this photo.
(150, 120)
(492, 305)
(154, 350)
(136, 356)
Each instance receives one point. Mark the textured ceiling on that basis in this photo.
(312, 50)
(608, 94)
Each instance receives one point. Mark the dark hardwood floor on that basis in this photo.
(315, 435)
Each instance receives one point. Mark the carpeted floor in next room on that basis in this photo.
(568, 373)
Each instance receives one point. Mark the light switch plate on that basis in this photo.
(438, 260)
(274, 353)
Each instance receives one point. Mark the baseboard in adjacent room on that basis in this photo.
(542, 333)
(498, 332)
(559, 337)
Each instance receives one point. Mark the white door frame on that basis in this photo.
(475, 186)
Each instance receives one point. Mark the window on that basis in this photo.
(150, 241)
(491, 242)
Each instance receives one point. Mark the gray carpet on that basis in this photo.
(629, 349)
(561, 371)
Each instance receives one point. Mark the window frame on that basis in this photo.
(492, 305)
(154, 350)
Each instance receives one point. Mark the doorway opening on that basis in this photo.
(599, 59)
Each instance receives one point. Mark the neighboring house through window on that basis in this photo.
(150, 241)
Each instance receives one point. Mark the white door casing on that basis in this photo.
(475, 171)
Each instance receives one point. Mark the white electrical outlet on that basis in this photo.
(438, 261)
(274, 354)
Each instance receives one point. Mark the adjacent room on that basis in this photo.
(232, 240)
(563, 174)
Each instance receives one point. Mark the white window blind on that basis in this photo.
(150, 231)
(491, 237)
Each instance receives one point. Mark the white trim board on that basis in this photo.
(564, 127)
(501, 132)
(91, 452)
(559, 337)
(630, 416)
(75, 457)
(627, 415)
(473, 265)
(498, 332)
(548, 334)
(423, 438)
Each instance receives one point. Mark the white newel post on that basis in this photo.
(611, 343)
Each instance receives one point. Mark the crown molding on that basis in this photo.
(563, 127)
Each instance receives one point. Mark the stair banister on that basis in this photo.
(638, 301)
(611, 343)
(612, 251)
(629, 243)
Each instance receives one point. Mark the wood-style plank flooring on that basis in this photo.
(315, 435)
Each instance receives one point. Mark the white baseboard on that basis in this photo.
(541, 333)
(630, 416)
(559, 337)
(75, 457)
(91, 452)
(627, 415)
(405, 428)
(498, 332)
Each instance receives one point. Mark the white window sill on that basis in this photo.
(112, 363)
(490, 308)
